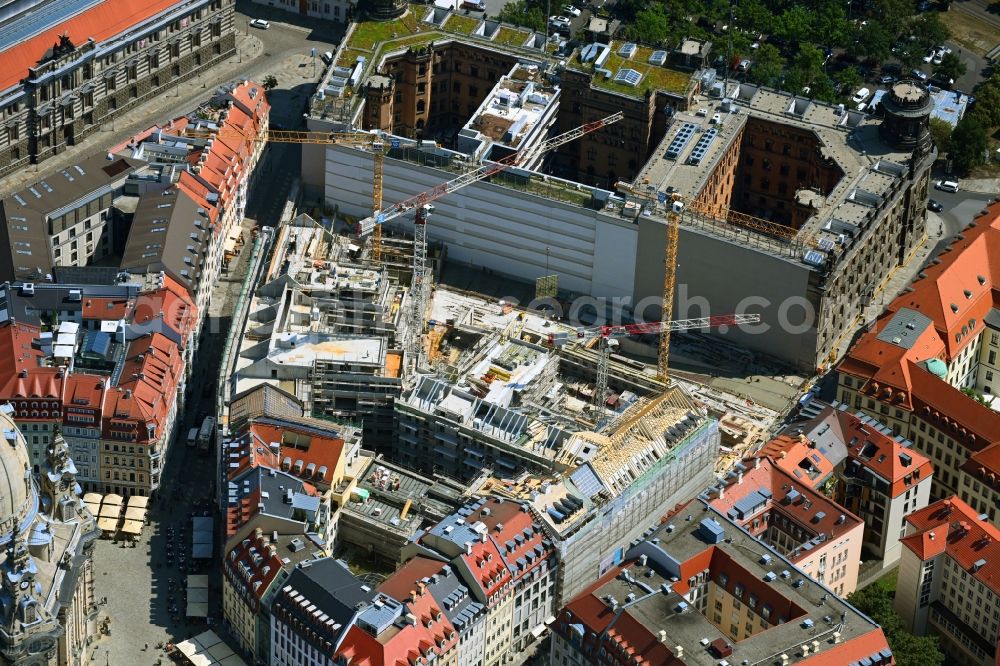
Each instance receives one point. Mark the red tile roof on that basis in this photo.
(851, 650)
(956, 294)
(100, 22)
(506, 521)
(173, 302)
(952, 527)
(403, 645)
(309, 448)
(902, 466)
(812, 511)
(251, 567)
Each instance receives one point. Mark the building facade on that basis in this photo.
(702, 591)
(928, 364)
(945, 587)
(50, 613)
(64, 79)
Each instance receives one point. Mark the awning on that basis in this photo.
(197, 609)
(201, 551)
(197, 580)
(132, 527)
(93, 498)
(107, 524)
(114, 499)
(110, 512)
(140, 501)
(135, 513)
(198, 595)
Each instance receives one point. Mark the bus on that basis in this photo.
(206, 433)
(192, 437)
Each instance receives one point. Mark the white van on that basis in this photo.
(947, 186)
(192, 436)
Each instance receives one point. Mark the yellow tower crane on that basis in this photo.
(369, 141)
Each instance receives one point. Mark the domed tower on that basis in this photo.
(384, 10)
(907, 110)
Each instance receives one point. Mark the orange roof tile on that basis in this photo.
(100, 22)
(961, 534)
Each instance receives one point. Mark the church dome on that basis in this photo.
(16, 494)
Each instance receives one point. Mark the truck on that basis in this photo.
(192, 437)
(206, 433)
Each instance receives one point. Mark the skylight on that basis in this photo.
(629, 77)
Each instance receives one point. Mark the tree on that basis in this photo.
(808, 63)
(894, 13)
(850, 78)
(928, 30)
(876, 601)
(270, 82)
(652, 26)
(795, 23)
(874, 42)
(941, 131)
(524, 14)
(754, 16)
(951, 67)
(969, 143)
(767, 66)
(987, 107)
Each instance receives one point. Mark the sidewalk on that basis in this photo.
(981, 185)
(174, 101)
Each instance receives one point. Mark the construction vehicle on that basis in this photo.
(608, 341)
(422, 205)
(373, 142)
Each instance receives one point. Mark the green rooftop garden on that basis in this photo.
(464, 25)
(369, 33)
(654, 77)
(348, 57)
(510, 36)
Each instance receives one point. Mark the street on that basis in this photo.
(145, 585)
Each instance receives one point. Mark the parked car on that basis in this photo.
(260, 23)
(570, 10)
(930, 55)
(946, 185)
(934, 205)
(744, 65)
(861, 96)
(327, 57)
(919, 74)
(558, 22)
(887, 79)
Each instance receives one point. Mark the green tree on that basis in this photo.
(969, 143)
(874, 42)
(894, 13)
(928, 30)
(524, 14)
(270, 82)
(850, 78)
(795, 23)
(987, 107)
(951, 67)
(941, 131)
(876, 601)
(767, 66)
(652, 26)
(753, 15)
(808, 63)
(830, 24)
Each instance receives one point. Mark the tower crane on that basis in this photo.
(372, 142)
(677, 206)
(608, 340)
(422, 206)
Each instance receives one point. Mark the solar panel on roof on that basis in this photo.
(701, 148)
(680, 140)
(40, 18)
(629, 77)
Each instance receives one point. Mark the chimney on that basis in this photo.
(756, 463)
(739, 478)
(722, 490)
(678, 651)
